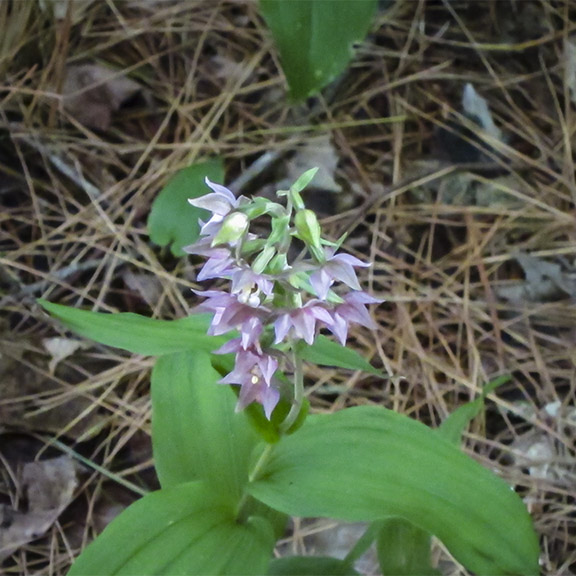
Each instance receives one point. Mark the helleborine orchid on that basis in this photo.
(272, 290)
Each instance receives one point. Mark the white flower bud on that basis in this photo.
(233, 228)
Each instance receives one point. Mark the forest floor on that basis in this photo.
(472, 235)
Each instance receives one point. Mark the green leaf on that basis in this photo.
(368, 463)
(310, 566)
(453, 427)
(196, 433)
(315, 39)
(403, 549)
(172, 220)
(303, 180)
(138, 334)
(326, 352)
(182, 530)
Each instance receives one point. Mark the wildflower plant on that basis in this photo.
(274, 303)
(237, 453)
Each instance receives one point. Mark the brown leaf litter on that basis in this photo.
(47, 487)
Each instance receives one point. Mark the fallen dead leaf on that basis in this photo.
(59, 349)
(467, 189)
(60, 8)
(25, 399)
(229, 69)
(570, 63)
(541, 454)
(544, 282)
(91, 93)
(464, 143)
(147, 286)
(316, 153)
(48, 487)
(476, 108)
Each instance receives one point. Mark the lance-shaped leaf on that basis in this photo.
(403, 549)
(368, 463)
(196, 433)
(315, 39)
(186, 529)
(138, 334)
(326, 352)
(453, 427)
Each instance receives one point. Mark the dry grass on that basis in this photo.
(74, 204)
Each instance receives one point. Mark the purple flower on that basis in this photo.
(300, 323)
(254, 372)
(260, 392)
(229, 312)
(220, 202)
(338, 267)
(249, 338)
(219, 264)
(244, 279)
(250, 363)
(353, 309)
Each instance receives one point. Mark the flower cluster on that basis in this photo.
(273, 302)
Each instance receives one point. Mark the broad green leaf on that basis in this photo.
(182, 530)
(326, 352)
(315, 39)
(196, 433)
(138, 334)
(453, 427)
(172, 220)
(403, 549)
(310, 566)
(368, 463)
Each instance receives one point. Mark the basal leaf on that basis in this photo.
(172, 220)
(368, 463)
(326, 352)
(138, 334)
(403, 549)
(196, 433)
(315, 38)
(182, 530)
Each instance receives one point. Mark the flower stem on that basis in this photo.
(298, 393)
(261, 462)
(241, 510)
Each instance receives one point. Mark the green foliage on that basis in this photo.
(196, 433)
(326, 352)
(138, 334)
(153, 337)
(453, 427)
(181, 530)
(403, 549)
(310, 566)
(368, 463)
(172, 220)
(315, 38)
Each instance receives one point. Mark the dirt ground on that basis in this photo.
(471, 233)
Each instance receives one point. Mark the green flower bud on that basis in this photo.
(233, 228)
(263, 259)
(278, 264)
(308, 229)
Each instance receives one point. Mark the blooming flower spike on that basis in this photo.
(273, 303)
